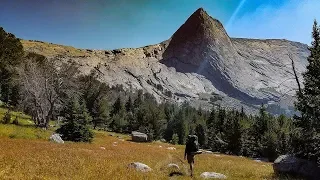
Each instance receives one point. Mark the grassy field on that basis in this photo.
(26, 153)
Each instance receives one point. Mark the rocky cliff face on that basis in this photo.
(200, 63)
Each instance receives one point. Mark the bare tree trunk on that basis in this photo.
(295, 74)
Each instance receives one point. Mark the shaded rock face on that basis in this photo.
(288, 164)
(201, 64)
(139, 137)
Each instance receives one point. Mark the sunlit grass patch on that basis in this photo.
(26, 153)
(107, 157)
(25, 129)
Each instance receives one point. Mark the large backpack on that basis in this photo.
(192, 144)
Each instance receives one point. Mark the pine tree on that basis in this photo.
(182, 126)
(116, 108)
(11, 53)
(129, 105)
(138, 100)
(307, 137)
(234, 133)
(201, 132)
(75, 126)
(101, 113)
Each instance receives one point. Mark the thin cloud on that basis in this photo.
(292, 21)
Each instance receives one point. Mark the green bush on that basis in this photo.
(7, 118)
(175, 139)
(16, 121)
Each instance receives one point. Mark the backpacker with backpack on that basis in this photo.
(192, 146)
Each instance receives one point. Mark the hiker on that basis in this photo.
(192, 148)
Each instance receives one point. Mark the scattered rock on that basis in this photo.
(56, 138)
(121, 139)
(217, 155)
(173, 166)
(139, 167)
(111, 134)
(291, 165)
(207, 152)
(160, 146)
(261, 160)
(139, 137)
(213, 175)
(171, 148)
(102, 148)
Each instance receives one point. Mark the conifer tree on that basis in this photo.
(101, 113)
(11, 53)
(129, 105)
(117, 106)
(307, 136)
(75, 126)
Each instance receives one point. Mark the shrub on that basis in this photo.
(7, 118)
(175, 139)
(16, 121)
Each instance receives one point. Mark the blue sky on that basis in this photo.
(110, 24)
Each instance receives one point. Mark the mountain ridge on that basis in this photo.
(198, 63)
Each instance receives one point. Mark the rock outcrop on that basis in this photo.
(290, 165)
(201, 64)
(139, 137)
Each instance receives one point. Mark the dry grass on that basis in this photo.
(41, 159)
(49, 49)
(26, 153)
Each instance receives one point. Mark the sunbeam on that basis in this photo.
(235, 13)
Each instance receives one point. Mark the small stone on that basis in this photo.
(56, 138)
(213, 175)
(102, 148)
(171, 148)
(207, 152)
(140, 167)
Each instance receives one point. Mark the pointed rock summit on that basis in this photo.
(200, 34)
(201, 45)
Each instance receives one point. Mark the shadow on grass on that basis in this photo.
(176, 173)
(130, 140)
(287, 177)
